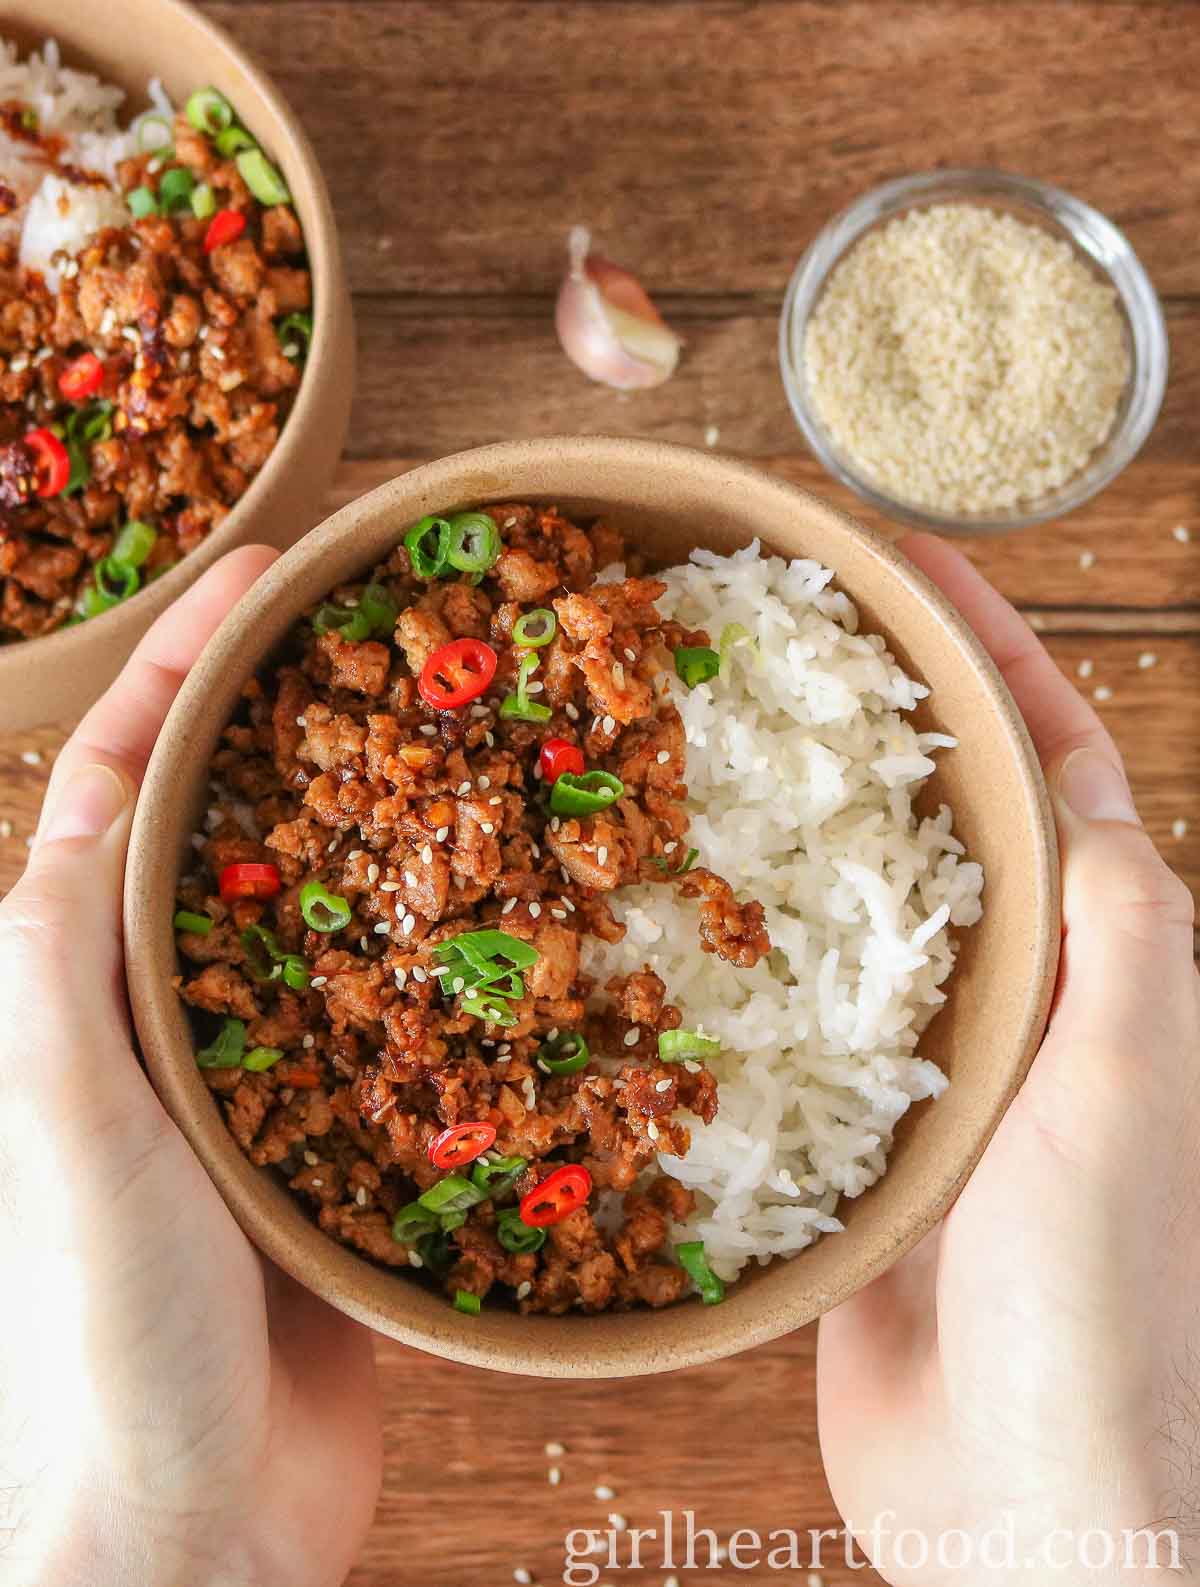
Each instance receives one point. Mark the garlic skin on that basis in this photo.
(607, 325)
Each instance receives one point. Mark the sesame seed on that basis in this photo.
(633, 1036)
(382, 928)
(572, 712)
(488, 827)
(1179, 828)
(389, 887)
(663, 756)
(309, 1041)
(401, 976)
(198, 840)
(554, 1476)
(372, 873)
(534, 688)
(1102, 693)
(604, 1492)
(652, 1130)
(1087, 559)
(318, 980)
(428, 729)
(692, 1067)
(32, 757)
(1147, 659)
(1086, 668)
(360, 1195)
(419, 975)
(478, 711)
(630, 655)
(524, 1288)
(216, 352)
(331, 845)
(427, 855)
(463, 788)
(601, 855)
(407, 924)
(566, 875)
(552, 1033)
(495, 800)
(1182, 533)
(535, 851)
(608, 724)
(504, 1049)
(663, 1085)
(567, 904)
(411, 878)
(354, 854)
(440, 969)
(414, 1259)
(458, 985)
(555, 1450)
(535, 910)
(442, 834)
(555, 823)
(317, 1183)
(484, 782)
(301, 721)
(558, 914)
(508, 906)
(618, 672)
(311, 1159)
(669, 848)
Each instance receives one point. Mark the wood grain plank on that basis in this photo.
(707, 143)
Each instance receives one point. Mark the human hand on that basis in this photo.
(1040, 1353)
(173, 1410)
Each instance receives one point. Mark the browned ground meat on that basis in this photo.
(430, 824)
(197, 382)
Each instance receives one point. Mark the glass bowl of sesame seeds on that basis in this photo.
(972, 351)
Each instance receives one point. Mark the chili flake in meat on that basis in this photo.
(454, 1091)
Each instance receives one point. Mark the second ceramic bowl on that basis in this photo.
(128, 42)
(669, 499)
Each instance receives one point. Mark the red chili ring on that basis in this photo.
(557, 1197)
(461, 1143)
(82, 378)
(51, 462)
(457, 673)
(227, 225)
(249, 881)
(558, 756)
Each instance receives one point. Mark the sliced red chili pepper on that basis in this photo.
(557, 1197)
(82, 378)
(52, 464)
(249, 881)
(461, 1143)
(227, 225)
(457, 673)
(559, 756)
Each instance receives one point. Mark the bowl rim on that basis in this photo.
(350, 1282)
(1089, 232)
(68, 647)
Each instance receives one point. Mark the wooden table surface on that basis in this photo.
(706, 141)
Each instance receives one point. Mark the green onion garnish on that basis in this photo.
(295, 333)
(474, 542)
(535, 629)
(230, 140)
(452, 1194)
(203, 201)
(295, 972)
(153, 119)
(437, 1252)
(584, 796)
(322, 910)
(482, 949)
(198, 925)
(267, 961)
(696, 664)
(209, 111)
(377, 606)
(350, 623)
(413, 1221)
(564, 1054)
(693, 1260)
(685, 864)
(488, 1005)
(134, 543)
(519, 707)
(516, 1236)
(674, 1046)
(465, 1301)
(175, 189)
(261, 177)
(260, 1058)
(427, 544)
(116, 580)
(142, 202)
(497, 1176)
(227, 1049)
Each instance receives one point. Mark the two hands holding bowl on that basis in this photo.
(173, 1408)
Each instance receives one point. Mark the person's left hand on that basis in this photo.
(172, 1409)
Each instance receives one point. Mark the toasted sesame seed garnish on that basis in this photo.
(630, 655)
(595, 723)
(535, 851)
(669, 848)
(488, 827)
(554, 1476)
(504, 1049)
(360, 1195)
(309, 1041)
(663, 756)
(522, 1575)
(604, 1492)
(427, 855)
(331, 845)
(1147, 659)
(1102, 693)
(389, 887)
(428, 729)
(663, 1085)
(495, 800)
(1179, 828)
(508, 906)
(489, 741)
(535, 910)
(555, 1451)
(363, 944)
(692, 1067)
(382, 928)
(354, 854)
(484, 783)
(407, 924)
(1086, 668)
(442, 834)
(414, 1259)
(609, 724)
(618, 672)
(440, 969)
(458, 985)
(401, 975)
(566, 875)
(463, 788)
(652, 1130)
(32, 757)
(372, 873)
(411, 878)
(534, 688)
(555, 823)
(317, 1183)
(318, 980)
(601, 854)
(419, 975)
(572, 711)
(1087, 559)
(301, 721)
(524, 1288)
(478, 711)
(558, 914)
(568, 905)
(311, 1159)
(633, 1036)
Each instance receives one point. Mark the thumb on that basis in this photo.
(1128, 972)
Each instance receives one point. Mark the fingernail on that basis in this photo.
(90, 801)
(1094, 787)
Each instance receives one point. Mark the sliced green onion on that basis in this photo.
(499, 1175)
(203, 201)
(482, 948)
(685, 864)
(452, 1194)
(413, 1221)
(227, 1049)
(437, 1252)
(696, 664)
(347, 621)
(322, 910)
(465, 1301)
(263, 953)
(516, 1236)
(295, 331)
(519, 707)
(115, 580)
(92, 422)
(564, 1054)
(209, 111)
(535, 629)
(261, 177)
(134, 543)
(93, 602)
(152, 118)
(584, 796)
(474, 542)
(377, 606)
(295, 972)
(732, 635)
(175, 189)
(428, 544)
(260, 1058)
(142, 202)
(674, 1046)
(693, 1260)
(187, 920)
(487, 1005)
(81, 463)
(231, 140)
(449, 1221)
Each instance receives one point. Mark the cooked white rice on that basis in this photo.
(52, 214)
(802, 773)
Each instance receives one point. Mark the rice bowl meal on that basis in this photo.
(566, 931)
(155, 312)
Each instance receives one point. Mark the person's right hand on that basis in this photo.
(1040, 1353)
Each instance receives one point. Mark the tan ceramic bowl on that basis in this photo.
(127, 42)
(670, 499)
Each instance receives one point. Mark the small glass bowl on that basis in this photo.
(1105, 249)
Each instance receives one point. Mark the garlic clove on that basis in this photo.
(607, 324)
